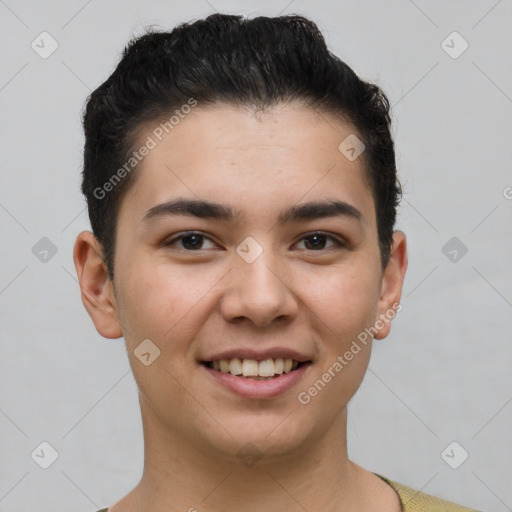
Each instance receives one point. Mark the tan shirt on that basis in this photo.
(414, 501)
(417, 501)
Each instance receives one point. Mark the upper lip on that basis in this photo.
(259, 355)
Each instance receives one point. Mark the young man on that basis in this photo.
(242, 192)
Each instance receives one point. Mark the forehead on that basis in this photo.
(228, 153)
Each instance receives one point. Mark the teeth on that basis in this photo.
(266, 368)
(235, 366)
(252, 368)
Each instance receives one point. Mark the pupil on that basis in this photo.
(317, 237)
(195, 244)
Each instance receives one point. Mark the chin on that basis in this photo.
(261, 435)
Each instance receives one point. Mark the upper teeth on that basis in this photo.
(253, 368)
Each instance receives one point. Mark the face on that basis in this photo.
(282, 264)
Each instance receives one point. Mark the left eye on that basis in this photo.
(319, 240)
(192, 240)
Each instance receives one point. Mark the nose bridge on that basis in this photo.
(258, 289)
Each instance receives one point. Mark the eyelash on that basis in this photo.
(173, 241)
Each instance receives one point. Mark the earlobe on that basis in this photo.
(392, 282)
(95, 286)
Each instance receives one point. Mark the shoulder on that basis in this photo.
(417, 501)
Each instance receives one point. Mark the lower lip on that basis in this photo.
(258, 389)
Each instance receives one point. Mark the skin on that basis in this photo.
(193, 303)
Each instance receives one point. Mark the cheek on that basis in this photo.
(161, 301)
(344, 299)
(346, 305)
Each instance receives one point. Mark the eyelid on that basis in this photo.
(339, 243)
(185, 234)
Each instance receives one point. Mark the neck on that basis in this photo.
(182, 475)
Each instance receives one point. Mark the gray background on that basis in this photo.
(444, 373)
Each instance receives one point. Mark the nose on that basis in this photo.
(259, 292)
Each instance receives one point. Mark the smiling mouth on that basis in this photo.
(265, 369)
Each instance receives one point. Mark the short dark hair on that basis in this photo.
(254, 63)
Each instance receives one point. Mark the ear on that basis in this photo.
(95, 286)
(392, 282)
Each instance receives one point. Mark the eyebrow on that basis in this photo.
(217, 211)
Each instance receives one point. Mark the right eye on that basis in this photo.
(191, 241)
